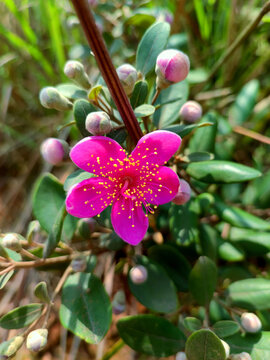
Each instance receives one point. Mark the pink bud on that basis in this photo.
(250, 322)
(54, 151)
(138, 274)
(183, 194)
(191, 111)
(172, 66)
(180, 356)
(241, 356)
(128, 76)
(98, 123)
(93, 3)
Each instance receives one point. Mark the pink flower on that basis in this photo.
(128, 183)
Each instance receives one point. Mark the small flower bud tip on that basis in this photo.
(191, 111)
(172, 66)
(79, 264)
(138, 274)
(180, 356)
(241, 356)
(183, 194)
(86, 227)
(54, 151)
(37, 340)
(12, 241)
(250, 322)
(98, 123)
(128, 76)
(75, 70)
(13, 347)
(226, 347)
(51, 98)
(93, 3)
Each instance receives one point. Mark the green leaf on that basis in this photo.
(94, 92)
(251, 294)
(230, 252)
(240, 218)
(208, 241)
(183, 221)
(244, 103)
(151, 44)
(10, 347)
(257, 345)
(184, 130)
(175, 264)
(225, 328)
(72, 91)
(48, 198)
(204, 138)
(253, 241)
(139, 94)
(157, 293)
(21, 316)
(41, 292)
(203, 280)
(5, 278)
(119, 135)
(151, 335)
(76, 177)
(192, 324)
(221, 172)
(204, 345)
(55, 233)
(198, 156)
(85, 309)
(144, 110)
(168, 114)
(81, 109)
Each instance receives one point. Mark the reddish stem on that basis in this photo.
(107, 69)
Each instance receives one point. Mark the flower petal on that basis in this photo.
(89, 197)
(163, 188)
(97, 155)
(128, 220)
(156, 147)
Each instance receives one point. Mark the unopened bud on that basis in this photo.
(226, 347)
(98, 123)
(138, 274)
(241, 356)
(11, 347)
(119, 302)
(128, 76)
(75, 71)
(172, 66)
(79, 264)
(51, 98)
(37, 340)
(12, 241)
(191, 111)
(165, 16)
(86, 227)
(180, 356)
(93, 3)
(183, 194)
(250, 322)
(54, 151)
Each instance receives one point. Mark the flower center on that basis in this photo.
(125, 190)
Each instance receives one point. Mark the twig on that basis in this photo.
(158, 91)
(10, 268)
(252, 134)
(113, 350)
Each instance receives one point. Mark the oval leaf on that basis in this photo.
(81, 109)
(139, 94)
(21, 316)
(204, 138)
(192, 324)
(144, 110)
(225, 328)
(222, 172)
(85, 309)
(71, 91)
(151, 335)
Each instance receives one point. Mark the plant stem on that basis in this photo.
(107, 69)
(113, 350)
(252, 134)
(158, 91)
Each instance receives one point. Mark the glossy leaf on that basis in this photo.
(198, 156)
(151, 44)
(85, 309)
(144, 110)
(203, 280)
(21, 316)
(81, 109)
(184, 130)
(151, 335)
(72, 91)
(204, 345)
(253, 241)
(139, 94)
(76, 177)
(222, 172)
(192, 324)
(157, 293)
(226, 328)
(204, 138)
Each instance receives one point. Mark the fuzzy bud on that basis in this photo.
(191, 111)
(180, 356)
(119, 302)
(128, 77)
(226, 347)
(12, 346)
(51, 98)
(54, 151)
(37, 340)
(250, 322)
(12, 241)
(172, 66)
(75, 71)
(79, 264)
(138, 274)
(183, 194)
(98, 123)
(241, 356)
(86, 227)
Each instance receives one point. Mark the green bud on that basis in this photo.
(41, 292)
(10, 347)
(51, 98)
(12, 241)
(75, 71)
(37, 340)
